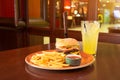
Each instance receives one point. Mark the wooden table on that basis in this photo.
(106, 66)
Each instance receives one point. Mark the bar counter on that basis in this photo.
(105, 67)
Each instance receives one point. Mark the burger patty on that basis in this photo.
(68, 51)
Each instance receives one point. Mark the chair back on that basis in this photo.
(114, 29)
(109, 38)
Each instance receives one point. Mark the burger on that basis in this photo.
(68, 46)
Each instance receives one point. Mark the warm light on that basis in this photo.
(67, 7)
(69, 17)
(72, 5)
(117, 6)
(107, 1)
(75, 12)
(104, 5)
(78, 15)
(98, 9)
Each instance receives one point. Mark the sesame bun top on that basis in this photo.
(66, 42)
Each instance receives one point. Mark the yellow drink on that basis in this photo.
(90, 33)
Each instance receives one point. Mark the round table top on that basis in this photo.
(105, 67)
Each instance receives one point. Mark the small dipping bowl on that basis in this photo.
(73, 59)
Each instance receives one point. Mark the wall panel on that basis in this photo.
(34, 8)
(6, 8)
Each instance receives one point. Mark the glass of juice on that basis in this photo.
(90, 33)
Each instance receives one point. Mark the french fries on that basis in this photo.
(49, 59)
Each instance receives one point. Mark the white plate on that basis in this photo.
(27, 60)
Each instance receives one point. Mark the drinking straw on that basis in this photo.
(65, 24)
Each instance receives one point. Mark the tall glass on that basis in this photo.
(90, 33)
